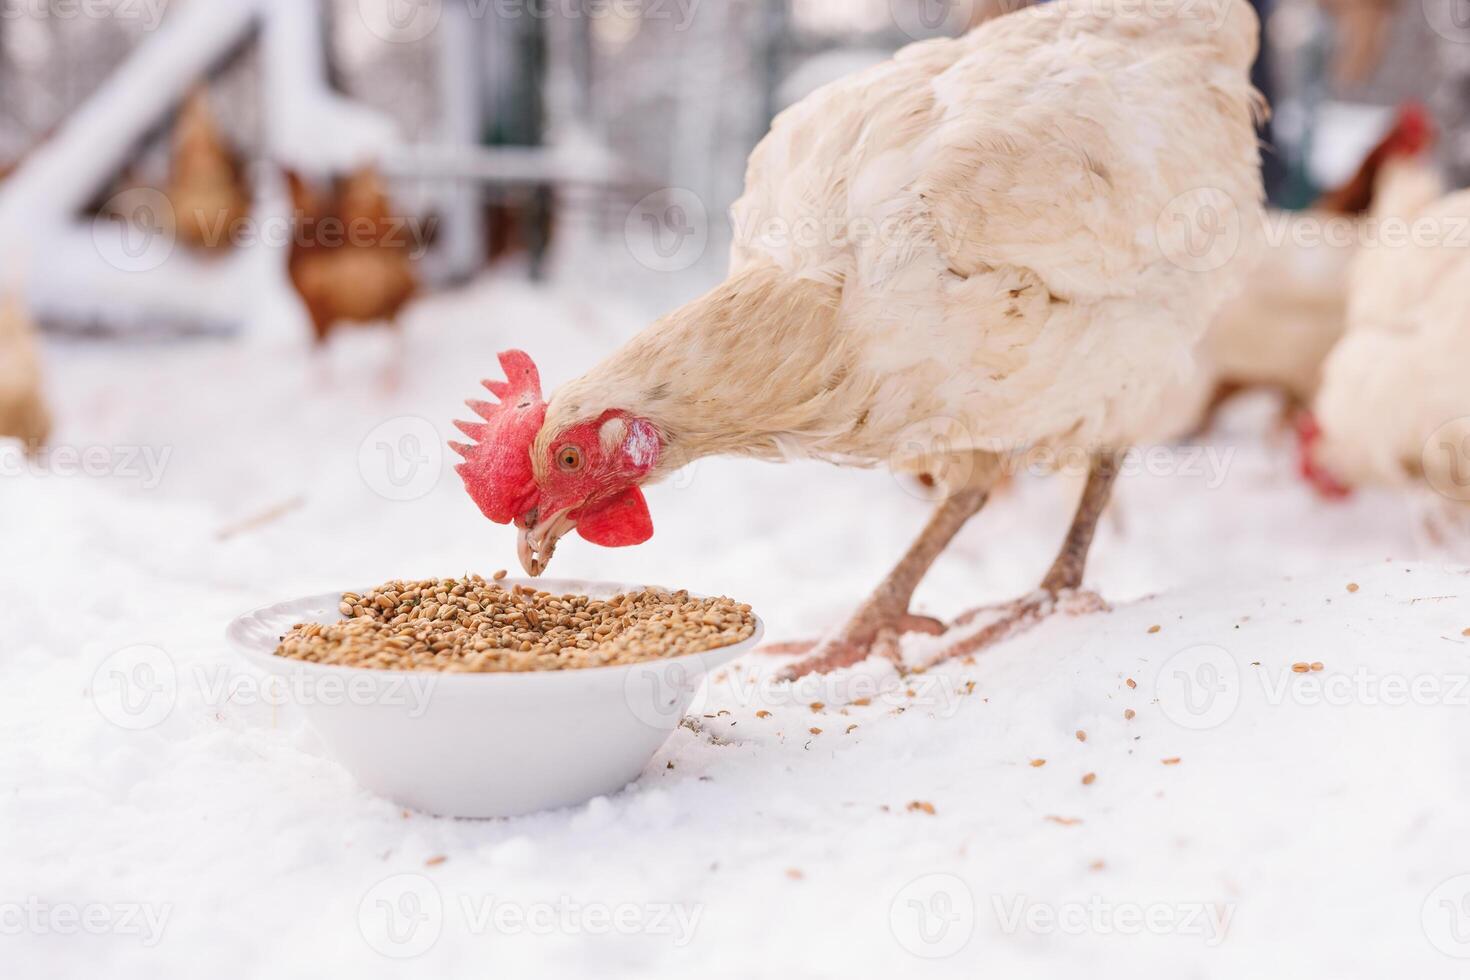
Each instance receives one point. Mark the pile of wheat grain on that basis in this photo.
(471, 624)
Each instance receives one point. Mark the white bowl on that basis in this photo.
(484, 745)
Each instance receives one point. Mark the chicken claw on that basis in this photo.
(879, 623)
(880, 636)
(1017, 617)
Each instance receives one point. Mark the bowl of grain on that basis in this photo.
(476, 697)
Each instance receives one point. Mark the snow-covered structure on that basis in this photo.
(497, 122)
(81, 224)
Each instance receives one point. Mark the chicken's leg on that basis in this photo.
(878, 623)
(1066, 572)
(1065, 575)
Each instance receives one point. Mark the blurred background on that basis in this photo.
(254, 256)
(168, 160)
(276, 243)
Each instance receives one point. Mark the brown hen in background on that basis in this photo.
(23, 413)
(351, 259)
(206, 184)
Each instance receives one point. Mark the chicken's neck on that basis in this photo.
(759, 366)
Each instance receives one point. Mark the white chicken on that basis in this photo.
(1293, 309)
(986, 245)
(1394, 407)
(1279, 330)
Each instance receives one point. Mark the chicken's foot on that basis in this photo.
(1061, 588)
(884, 617)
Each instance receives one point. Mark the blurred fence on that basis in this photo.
(533, 127)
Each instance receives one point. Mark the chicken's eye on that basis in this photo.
(569, 458)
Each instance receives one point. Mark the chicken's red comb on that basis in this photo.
(497, 467)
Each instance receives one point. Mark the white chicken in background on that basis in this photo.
(1394, 407)
(985, 246)
(23, 412)
(1278, 331)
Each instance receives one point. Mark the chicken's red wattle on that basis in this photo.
(1309, 435)
(619, 522)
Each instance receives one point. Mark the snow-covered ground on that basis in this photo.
(1244, 819)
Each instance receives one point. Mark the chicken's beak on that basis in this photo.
(537, 542)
